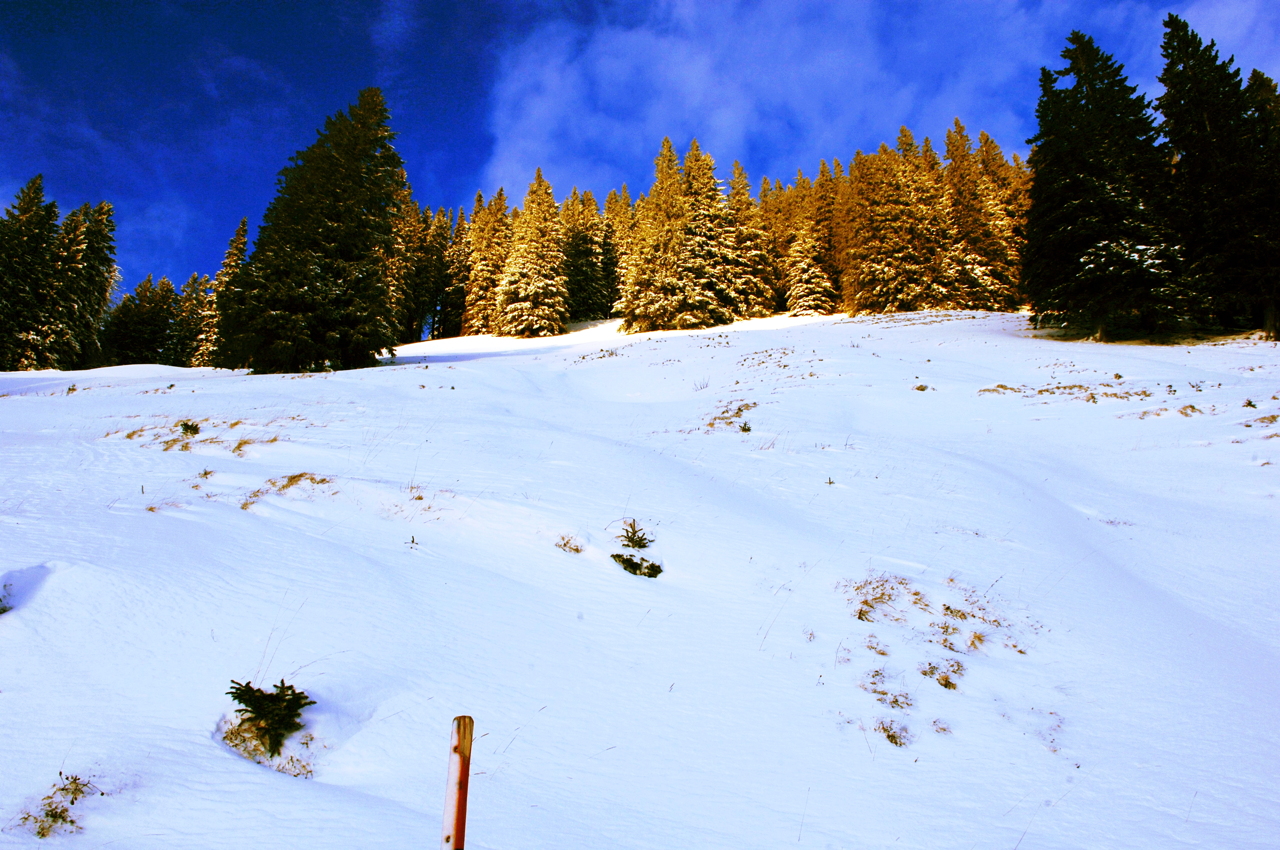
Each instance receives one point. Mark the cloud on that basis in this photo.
(780, 84)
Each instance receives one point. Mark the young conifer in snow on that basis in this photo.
(809, 289)
(531, 299)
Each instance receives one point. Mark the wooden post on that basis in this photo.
(455, 794)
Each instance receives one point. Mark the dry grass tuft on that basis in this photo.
(54, 813)
(568, 543)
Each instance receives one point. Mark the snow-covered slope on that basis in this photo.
(1104, 517)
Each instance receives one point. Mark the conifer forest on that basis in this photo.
(1132, 216)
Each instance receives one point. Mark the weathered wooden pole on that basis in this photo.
(455, 793)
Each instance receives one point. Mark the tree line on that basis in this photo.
(1130, 224)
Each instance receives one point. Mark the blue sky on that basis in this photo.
(182, 113)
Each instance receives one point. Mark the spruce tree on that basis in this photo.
(590, 268)
(898, 261)
(1262, 284)
(752, 271)
(652, 291)
(490, 235)
(709, 253)
(447, 318)
(809, 288)
(210, 350)
(1096, 253)
(138, 329)
(315, 293)
(1211, 195)
(531, 298)
(458, 269)
(979, 261)
(29, 240)
(187, 322)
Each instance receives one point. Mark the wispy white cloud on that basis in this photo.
(780, 84)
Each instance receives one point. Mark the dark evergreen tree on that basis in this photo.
(1262, 269)
(138, 329)
(590, 266)
(29, 240)
(1097, 254)
(1212, 196)
(458, 268)
(188, 321)
(316, 292)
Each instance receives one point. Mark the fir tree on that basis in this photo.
(1262, 286)
(490, 235)
(590, 267)
(809, 289)
(532, 299)
(1096, 254)
(1210, 197)
(898, 262)
(138, 329)
(708, 256)
(447, 318)
(652, 291)
(315, 293)
(458, 268)
(979, 262)
(752, 272)
(29, 240)
(209, 349)
(407, 270)
(187, 322)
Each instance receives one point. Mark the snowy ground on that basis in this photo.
(1105, 516)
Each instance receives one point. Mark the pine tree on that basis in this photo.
(1210, 195)
(1096, 254)
(590, 267)
(652, 290)
(1263, 246)
(447, 319)
(187, 322)
(138, 329)
(210, 350)
(490, 235)
(682, 252)
(458, 268)
(531, 298)
(979, 260)
(28, 242)
(94, 282)
(809, 288)
(315, 293)
(898, 261)
(709, 253)
(752, 272)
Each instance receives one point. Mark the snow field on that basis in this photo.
(384, 540)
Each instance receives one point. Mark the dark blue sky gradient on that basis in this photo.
(181, 114)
